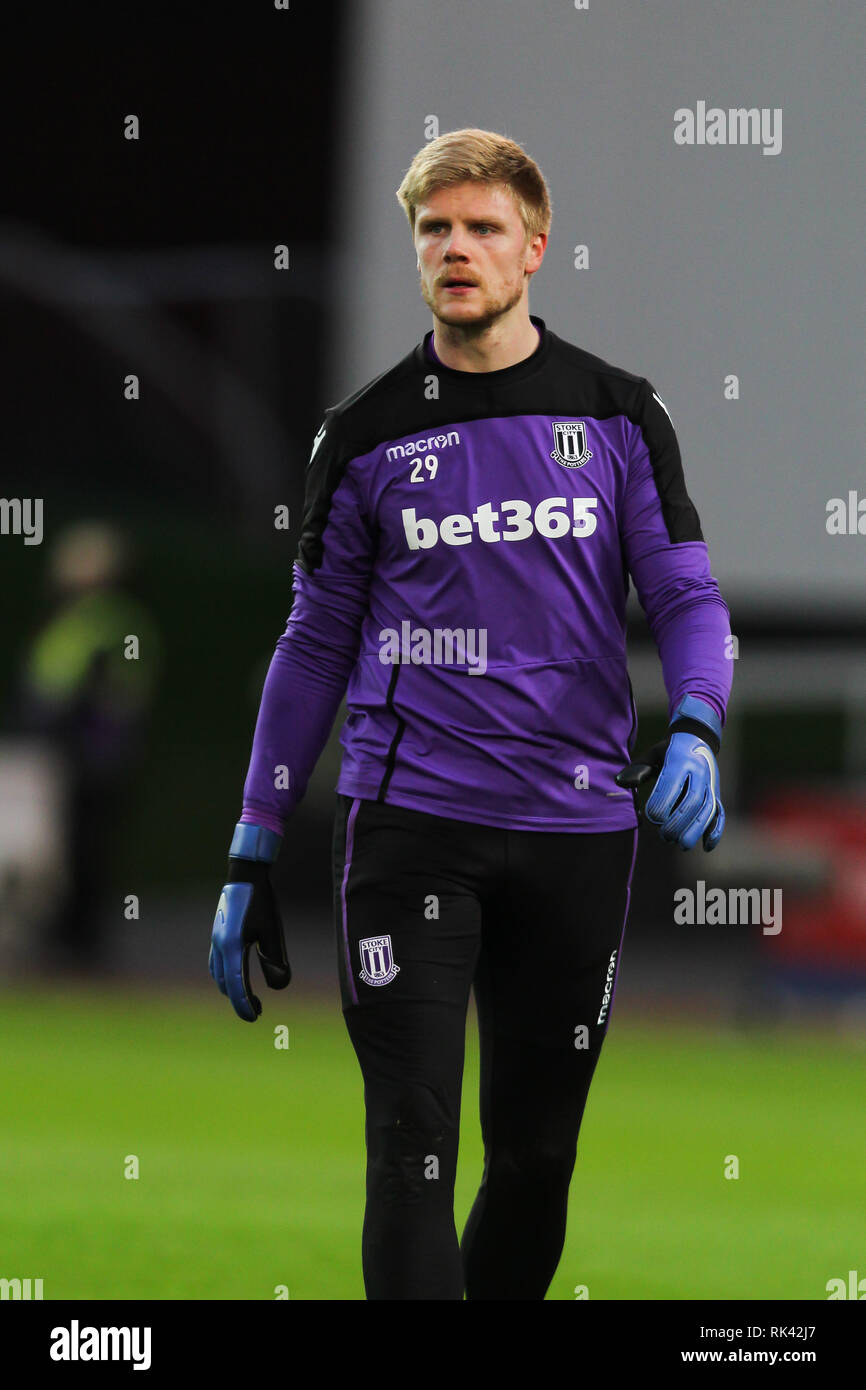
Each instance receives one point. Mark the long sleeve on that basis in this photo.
(667, 557)
(314, 657)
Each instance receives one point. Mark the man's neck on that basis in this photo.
(491, 352)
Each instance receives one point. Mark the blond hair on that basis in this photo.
(479, 156)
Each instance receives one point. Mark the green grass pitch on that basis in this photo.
(251, 1158)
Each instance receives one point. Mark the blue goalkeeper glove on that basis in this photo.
(246, 916)
(684, 804)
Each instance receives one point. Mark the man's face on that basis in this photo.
(473, 231)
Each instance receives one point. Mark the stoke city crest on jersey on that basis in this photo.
(569, 443)
(377, 960)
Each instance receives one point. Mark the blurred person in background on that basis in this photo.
(85, 687)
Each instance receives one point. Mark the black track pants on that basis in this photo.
(426, 908)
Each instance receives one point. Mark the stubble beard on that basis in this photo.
(487, 315)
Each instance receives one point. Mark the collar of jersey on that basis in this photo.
(505, 374)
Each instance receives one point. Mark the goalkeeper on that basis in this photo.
(473, 517)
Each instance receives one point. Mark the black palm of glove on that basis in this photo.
(646, 767)
(247, 915)
(684, 803)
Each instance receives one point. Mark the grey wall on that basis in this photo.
(703, 260)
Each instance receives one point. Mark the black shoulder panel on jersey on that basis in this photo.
(417, 397)
(678, 510)
(336, 445)
(324, 471)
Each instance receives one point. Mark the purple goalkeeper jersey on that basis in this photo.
(464, 562)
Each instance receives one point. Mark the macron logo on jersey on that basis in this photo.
(662, 404)
(317, 441)
(423, 446)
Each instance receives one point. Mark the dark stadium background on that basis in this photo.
(172, 239)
